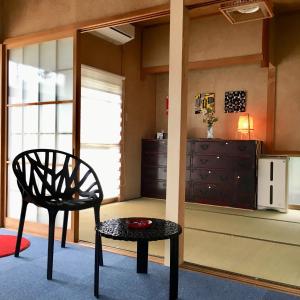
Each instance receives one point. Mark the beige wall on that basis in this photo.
(251, 78)
(101, 54)
(210, 37)
(139, 114)
(287, 51)
(27, 16)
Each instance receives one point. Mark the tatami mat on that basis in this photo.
(262, 244)
(259, 259)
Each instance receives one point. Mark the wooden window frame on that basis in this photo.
(31, 227)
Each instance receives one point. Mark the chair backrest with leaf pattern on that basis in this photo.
(55, 175)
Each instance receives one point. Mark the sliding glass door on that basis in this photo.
(39, 109)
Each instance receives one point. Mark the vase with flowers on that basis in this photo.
(209, 118)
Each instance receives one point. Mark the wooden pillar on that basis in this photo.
(271, 110)
(177, 133)
(2, 134)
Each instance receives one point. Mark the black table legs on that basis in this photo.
(142, 257)
(142, 264)
(174, 268)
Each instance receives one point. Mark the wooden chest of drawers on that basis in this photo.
(218, 172)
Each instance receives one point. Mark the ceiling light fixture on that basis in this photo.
(248, 10)
(240, 11)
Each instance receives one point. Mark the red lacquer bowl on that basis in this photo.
(138, 223)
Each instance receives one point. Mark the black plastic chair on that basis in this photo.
(57, 181)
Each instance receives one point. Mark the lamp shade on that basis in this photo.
(245, 123)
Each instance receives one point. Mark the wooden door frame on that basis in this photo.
(73, 30)
(2, 137)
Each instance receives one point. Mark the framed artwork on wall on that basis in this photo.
(235, 101)
(204, 101)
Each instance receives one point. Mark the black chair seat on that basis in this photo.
(68, 204)
(57, 181)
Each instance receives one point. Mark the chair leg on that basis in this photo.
(97, 221)
(52, 216)
(21, 226)
(100, 251)
(64, 231)
(96, 270)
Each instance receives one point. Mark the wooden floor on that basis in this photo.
(260, 244)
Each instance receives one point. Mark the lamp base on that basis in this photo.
(245, 135)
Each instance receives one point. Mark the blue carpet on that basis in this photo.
(25, 278)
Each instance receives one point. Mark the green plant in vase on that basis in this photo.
(209, 118)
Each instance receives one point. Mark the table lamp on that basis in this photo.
(245, 126)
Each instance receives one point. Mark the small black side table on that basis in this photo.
(160, 230)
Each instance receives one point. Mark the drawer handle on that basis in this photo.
(203, 161)
(271, 194)
(271, 170)
(203, 176)
(204, 147)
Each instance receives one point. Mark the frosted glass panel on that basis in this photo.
(48, 56)
(48, 86)
(47, 118)
(15, 80)
(30, 141)
(33, 72)
(47, 141)
(65, 85)
(39, 72)
(64, 115)
(15, 119)
(64, 142)
(14, 204)
(15, 145)
(47, 71)
(15, 201)
(14, 196)
(13, 186)
(31, 119)
(30, 72)
(65, 54)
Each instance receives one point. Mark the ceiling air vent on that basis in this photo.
(240, 11)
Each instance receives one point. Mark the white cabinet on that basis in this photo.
(272, 189)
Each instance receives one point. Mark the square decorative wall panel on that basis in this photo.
(204, 101)
(235, 101)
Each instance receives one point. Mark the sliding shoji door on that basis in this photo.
(39, 109)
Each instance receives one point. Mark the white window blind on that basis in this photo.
(101, 126)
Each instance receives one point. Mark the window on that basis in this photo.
(40, 100)
(101, 126)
